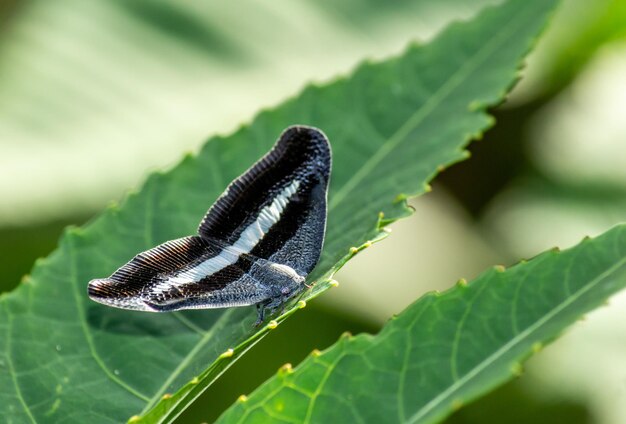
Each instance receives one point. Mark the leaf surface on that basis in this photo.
(146, 80)
(392, 126)
(446, 349)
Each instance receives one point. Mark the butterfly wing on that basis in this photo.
(277, 209)
(185, 273)
(275, 213)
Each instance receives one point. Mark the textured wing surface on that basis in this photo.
(180, 274)
(277, 209)
(275, 213)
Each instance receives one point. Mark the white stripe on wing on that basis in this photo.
(249, 238)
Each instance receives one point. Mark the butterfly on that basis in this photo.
(255, 245)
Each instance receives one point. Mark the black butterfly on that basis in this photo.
(256, 244)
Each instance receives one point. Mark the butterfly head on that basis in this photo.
(284, 280)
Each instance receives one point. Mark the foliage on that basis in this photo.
(393, 125)
(445, 349)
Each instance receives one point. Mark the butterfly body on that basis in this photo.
(256, 244)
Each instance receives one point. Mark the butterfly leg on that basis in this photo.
(260, 308)
(270, 305)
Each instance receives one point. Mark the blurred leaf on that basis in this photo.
(580, 31)
(446, 349)
(579, 45)
(536, 212)
(20, 246)
(392, 126)
(94, 93)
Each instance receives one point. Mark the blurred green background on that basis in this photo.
(96, 94)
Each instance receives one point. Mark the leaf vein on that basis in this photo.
(16, 384)
(83, 323)
(513, 342)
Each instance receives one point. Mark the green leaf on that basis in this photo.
(392, 126)
(572, 48)
(446, 349)
(146, 80)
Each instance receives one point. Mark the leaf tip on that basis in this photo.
(39, 262)
(74, 230)
(475, 105)
(400, 197)
(229, 353)
(113, 206)
(457, 404)
(285, 369)
(462, 282)
(517, 369)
